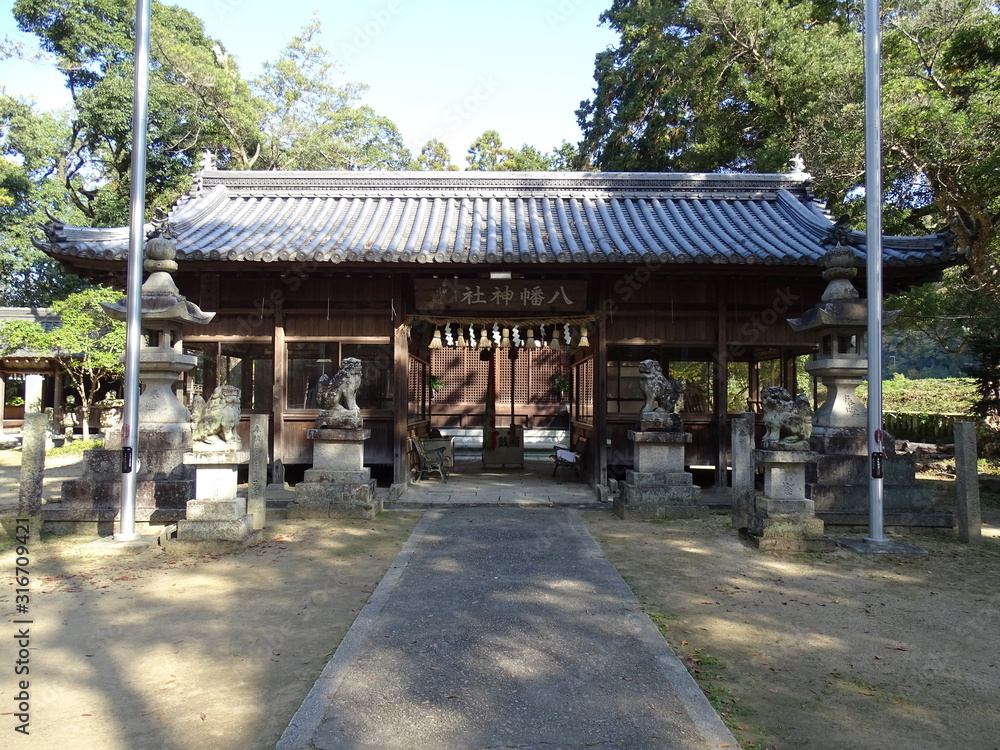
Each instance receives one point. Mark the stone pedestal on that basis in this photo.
(217, 520)
(838, 483)
(164, 484)
(784, 520)
(658, 486)
(338, 485)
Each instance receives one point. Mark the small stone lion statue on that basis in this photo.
(657, 387)
(788, 421)
(337, 396)
(663, 391)
(214, 422)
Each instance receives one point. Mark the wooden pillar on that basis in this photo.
(721, 377)
(599, 339)
(279, 396)
(57, 400)
(788, 372)
(401, 387)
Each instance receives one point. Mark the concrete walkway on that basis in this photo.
(503, 627)
(470, 484)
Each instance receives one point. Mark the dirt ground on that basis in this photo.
(181, 653)
(826, 651)
(798, 651)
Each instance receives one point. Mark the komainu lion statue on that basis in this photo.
(215, 421)
(337, 396)
(788, 421)
(658, 387)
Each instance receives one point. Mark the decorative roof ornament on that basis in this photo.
(208, 161)
(839, 234)
(207, 164)
(161, 225)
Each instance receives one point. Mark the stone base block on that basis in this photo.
(840, 440)
(659, 501)
(105, 465)
(789, 533)
(154, 501)
(658, 478)
(326, 500)
(214, 510)
(771, 507)
(338, 449)
(210, 546)
(659, 421)
(99, 521)
(229, 529)
(337, 476)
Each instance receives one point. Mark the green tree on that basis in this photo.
(487, 153)
(33, 156)
(76, 167)
(527, 159)
(197, 100)
(565, 157)
(87, 342)
(708, 85)
(435, 157)
(311, 122)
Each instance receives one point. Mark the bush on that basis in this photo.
(74, 447)
(926, 395)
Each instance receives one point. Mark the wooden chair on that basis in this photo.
(575, 458)
(430, 461)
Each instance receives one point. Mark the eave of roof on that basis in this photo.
(489, 218)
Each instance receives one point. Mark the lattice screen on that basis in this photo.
(585, 389)
(464, 375)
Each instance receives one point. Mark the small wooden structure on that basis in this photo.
(414, 272)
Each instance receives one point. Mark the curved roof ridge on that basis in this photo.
(586, 218)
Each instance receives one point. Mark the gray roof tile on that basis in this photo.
(497, 217)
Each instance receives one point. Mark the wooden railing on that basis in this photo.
(921, 427)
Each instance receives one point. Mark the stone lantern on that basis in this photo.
(840, 320)
(164, 483)
(838, 478)
(162, 359)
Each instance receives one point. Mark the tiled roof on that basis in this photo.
(41, 315)
(498, 217)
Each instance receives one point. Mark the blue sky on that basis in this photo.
(444, 68)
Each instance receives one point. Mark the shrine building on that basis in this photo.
(439, 281)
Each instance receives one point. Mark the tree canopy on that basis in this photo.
(76, 165)
(294, 116)
(710, 85)
(729, 85)
(88, 343)
(487, 154)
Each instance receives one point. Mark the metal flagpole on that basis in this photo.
(136, 240)
(873, 219)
